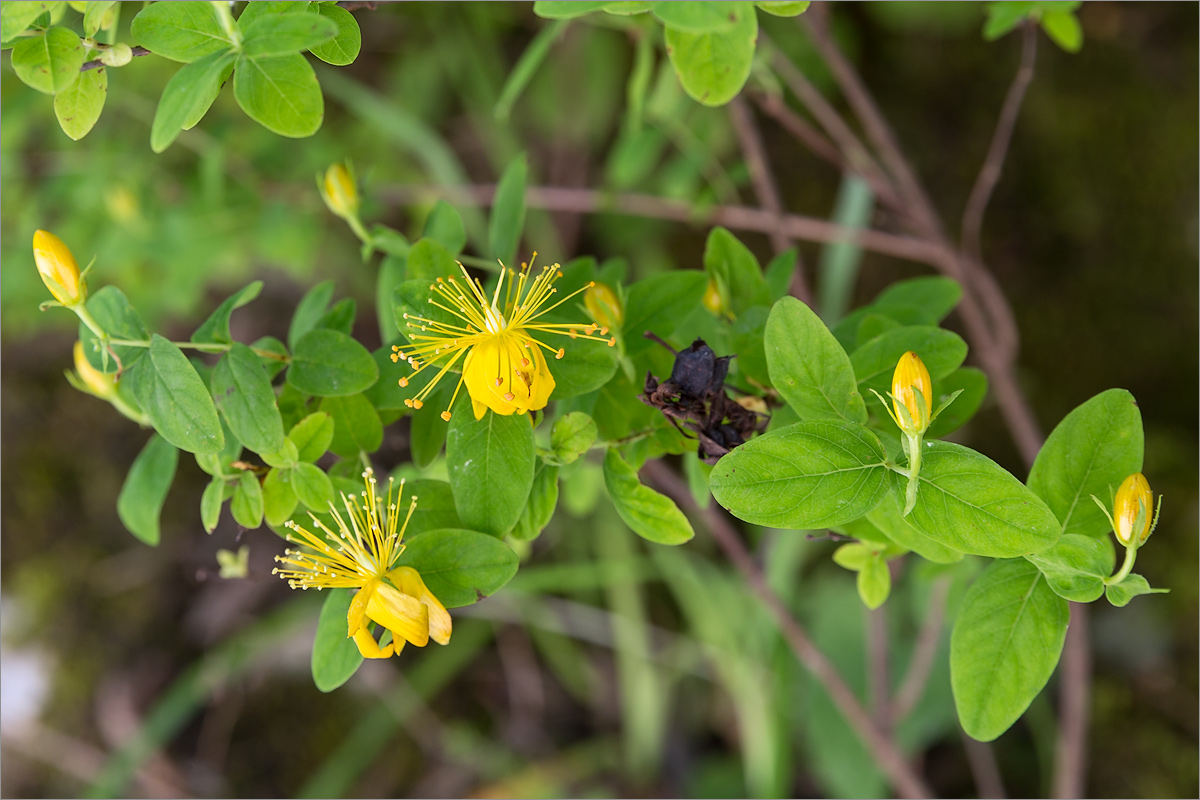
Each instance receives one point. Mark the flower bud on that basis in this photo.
(910, 377)
(604, 306)
(1133, 497)
(119, 54)
(100, 384)
(59, 271)
(339, 191)
(712, 297)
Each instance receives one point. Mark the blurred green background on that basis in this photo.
(608, 667)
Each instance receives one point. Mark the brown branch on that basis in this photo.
(592, 201)
(766, 191)
(884, 750)
(773, 106)
(1075, 686)
(97, 63)
(993, 165)
(984, 770)
(920, 664)
(877, 668)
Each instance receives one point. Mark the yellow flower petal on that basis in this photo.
(1133, 497)
(369, 647)
(405, 616)
(410, 583)
(58, 268)
(356, 616)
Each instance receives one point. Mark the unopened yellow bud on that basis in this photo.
(712, 297)
(59, 271)
(604, 306)
(101, 385)
(339, 191)
(1134, 498)
(753, 403)
(911, 377)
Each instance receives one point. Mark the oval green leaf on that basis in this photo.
(243, 394)
(970, 503)
(435, 506)
(178, 403)
(1090, 452)
(49, 63)
(508, 212)
(806, 476)
(280, 93)
(491, 463)
(312, 487)
(343, 48)
(112, 311)
(183, 32)
(185, 100)
(357, 427)
(543, 499)
(808, 367)
(874, 361)
(145, 489)
(460, 567)
(279, 499)
(79, 105)
(335, 657)
(1076, 566)
(331, 364)
(713, 66)
(247, 502)
(651, 515)
(279, 34)
(1006, 642)
(312, 436)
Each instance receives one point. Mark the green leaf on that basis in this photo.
(280, 93)
(806, 476)
(566, 9)
(491, 463)
(874, 361)
(784, 8)
(460, 567)
(283, 458)
(651, 515)
(1090, 452)
(279, 499)
(973, 383)
(572, 435)
(269, 344)
(210, 504)
(79, 105)
(970, 503)
(312, 436)
(526, 67)
(887, 517)
(330, 364)
(1006, 642)
(428, 431)
(928, 299)
(335, 657)
(49, 63)
(346, 43)
(357, 427)
(178, 403)
(340, 317)
(852, 556)
(219, 464)
(778, 274)
(15, 17)
(183, 32)
(587, 365)
(186, 99)
(874, 582)
(260, 8)
(1076, 566)
(543, 499)
(313, 487)
(309, 311)
(243, 394)
(444, 225)
(145, 489)
(713, 67)
(215, 329)
(435, 506)
(1121, 593)
(689, 16)
(1064, 29)
(279, 34)
(247, 502)
(508, 212)
(93, 16)
(113, 313)
(659, 304)
(387, 394)
(429, 260)
(808, 367)
(734, 268)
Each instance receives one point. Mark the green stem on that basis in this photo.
(914, 468)
(1126, 568)
(204, 347)
(361, 232)
(226, 17)
(86, 317)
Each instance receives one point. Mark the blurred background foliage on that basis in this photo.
(608, 667)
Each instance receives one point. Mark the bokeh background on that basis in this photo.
(129, 669)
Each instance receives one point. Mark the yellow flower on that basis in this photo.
(1133, 507)
(102, 385)
(912, 412)
(504, 369)
(604, 306)
(712, 297)
(340, 192)
(362, 554)
(59, 271)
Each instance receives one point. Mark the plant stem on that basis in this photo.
(1126, 567)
